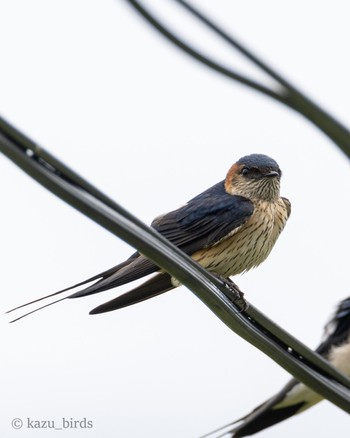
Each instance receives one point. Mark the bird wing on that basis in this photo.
(202, 222)
(337, 330)
(205, 219)
(292, 399)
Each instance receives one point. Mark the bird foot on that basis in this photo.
(234, 293)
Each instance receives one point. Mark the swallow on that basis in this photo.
(228, 229)
(295, 397)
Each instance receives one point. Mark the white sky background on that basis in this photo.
(100, 89)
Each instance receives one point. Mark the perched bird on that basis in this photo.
(295, 397)
(229, 229)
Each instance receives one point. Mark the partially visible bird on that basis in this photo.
(295, 397)
(229, 229)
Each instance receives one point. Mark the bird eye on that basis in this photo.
(244, 171)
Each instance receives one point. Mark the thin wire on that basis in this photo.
(288, 95)
(295, 98)
(232, 74)
(236, 44)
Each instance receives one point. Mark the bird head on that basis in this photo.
(254, 176)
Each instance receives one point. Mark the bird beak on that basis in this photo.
(271, 174)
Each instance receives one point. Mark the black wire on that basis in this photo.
(304, 364)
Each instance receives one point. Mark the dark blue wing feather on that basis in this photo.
(337, 330)
(205, 219)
